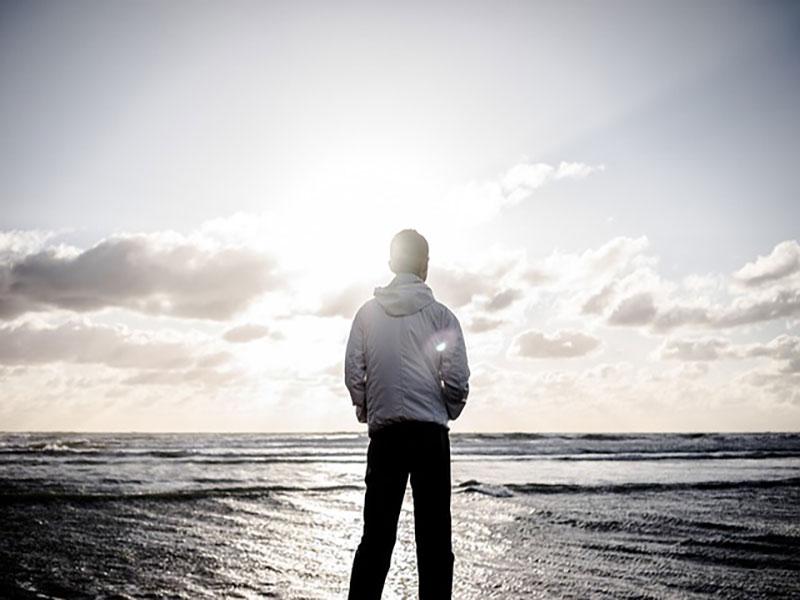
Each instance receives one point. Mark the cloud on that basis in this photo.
(204, 377)
(679, 316)
(634, 310)
(17, 242)
(344, 303)
(784, 387)
(503, 299)
(536, 276)
(576, 170)
(783, 350)
(159, 274)
(521, 180)
(482, 324)
(783, 303)
(693, 370)
(80, 341)
(615, 256)
(597, 303)
(702, 349)
(744, 311)
(562, 344)
(456, 287)
(783, 261)
(479, 201)
(248, 333)
(605, 267)
(143, 358)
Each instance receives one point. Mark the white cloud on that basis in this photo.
(478, 201)
(610, 265)
(783, 261)
(521, 180)
(576, 170)
(17, 242)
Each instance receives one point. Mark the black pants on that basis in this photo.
(421, 450)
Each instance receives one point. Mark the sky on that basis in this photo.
(196, 197)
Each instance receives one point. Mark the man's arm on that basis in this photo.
(355, 368)
(454, 367)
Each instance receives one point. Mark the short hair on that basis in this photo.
(408, 251)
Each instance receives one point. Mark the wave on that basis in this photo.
(509, 489)
(87, 456)
(164, 495)
(678, 455)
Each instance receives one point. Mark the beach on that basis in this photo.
(279, 516)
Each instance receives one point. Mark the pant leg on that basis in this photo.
(386, 479)
(430, 482)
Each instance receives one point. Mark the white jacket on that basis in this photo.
(406, 359)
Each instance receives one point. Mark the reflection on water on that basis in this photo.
(245, 516)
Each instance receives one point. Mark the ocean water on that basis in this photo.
(279, 516)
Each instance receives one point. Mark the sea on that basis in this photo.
(700, 515)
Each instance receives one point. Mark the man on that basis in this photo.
(407, 374)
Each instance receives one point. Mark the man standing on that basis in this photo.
(407, 374)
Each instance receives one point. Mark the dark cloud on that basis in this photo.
(503, 299)
(597, 303)
(678, 316)
(780, 304)
(634, 310)
(783, 303)
(784, 348)
(483, 324)
(562, 344)
(148, 273)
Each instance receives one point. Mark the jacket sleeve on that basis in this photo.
(355, 368)
(454, 371)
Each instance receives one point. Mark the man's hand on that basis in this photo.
(361, 414)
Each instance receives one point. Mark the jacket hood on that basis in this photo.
(405, 295)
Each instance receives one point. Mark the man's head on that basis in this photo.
(409, 253)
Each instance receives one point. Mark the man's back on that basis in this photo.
(406, 358)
